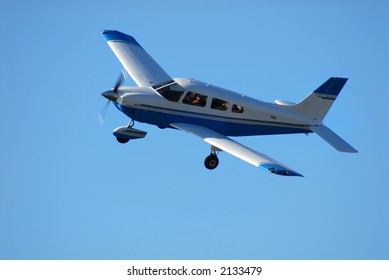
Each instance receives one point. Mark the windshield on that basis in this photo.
(170, 90)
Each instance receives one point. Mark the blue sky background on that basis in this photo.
(68, 190)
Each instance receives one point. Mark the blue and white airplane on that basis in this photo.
(213, 113)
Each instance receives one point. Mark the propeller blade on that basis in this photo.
(103, 112)
(118, 82)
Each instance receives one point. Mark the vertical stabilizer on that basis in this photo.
(318, 103)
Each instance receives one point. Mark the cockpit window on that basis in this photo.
(219, 104)
(170, 90)
(237, 109)
(195, 99)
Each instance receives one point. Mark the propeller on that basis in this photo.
(111, 95)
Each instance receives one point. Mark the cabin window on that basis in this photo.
(219, 104)
(171, 91)
(195, 99)
(237, 109)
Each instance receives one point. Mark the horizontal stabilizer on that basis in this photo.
(333, 139)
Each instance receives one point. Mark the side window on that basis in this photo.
(237, 109)
(195, 99)
(219, 104)
(171, 92)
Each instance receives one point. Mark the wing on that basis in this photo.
(138, 63)
(236, 149)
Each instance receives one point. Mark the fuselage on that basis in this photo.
(190, 101)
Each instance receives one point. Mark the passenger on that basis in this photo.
(196, 100)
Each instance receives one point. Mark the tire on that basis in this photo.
(122, 140)
(211, 162)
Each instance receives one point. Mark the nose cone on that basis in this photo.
(111, 95)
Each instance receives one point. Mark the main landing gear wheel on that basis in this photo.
(211, 161)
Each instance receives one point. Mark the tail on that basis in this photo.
(318, 103)
(316, 106)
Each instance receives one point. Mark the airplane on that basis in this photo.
(213, 113)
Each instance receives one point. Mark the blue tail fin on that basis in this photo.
(318, 103)
(332, 86)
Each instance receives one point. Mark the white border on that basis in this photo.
(96, 270)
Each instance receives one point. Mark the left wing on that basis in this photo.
(138, 63)
(236, 149)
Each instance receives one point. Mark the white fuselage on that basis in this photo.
(222, 110)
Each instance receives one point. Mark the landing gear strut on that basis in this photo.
(125, 140)
(211, 161)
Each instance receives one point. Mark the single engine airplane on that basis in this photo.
(213, 113)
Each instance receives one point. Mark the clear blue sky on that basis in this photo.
(68, 190)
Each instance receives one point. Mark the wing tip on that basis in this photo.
(279, 170)
(348, 149)
(114, 35)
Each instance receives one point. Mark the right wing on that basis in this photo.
(236, 149)
(138, 63)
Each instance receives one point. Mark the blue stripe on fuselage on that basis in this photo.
(228, 126)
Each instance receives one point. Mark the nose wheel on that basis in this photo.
(122, 140)
(211, 161)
